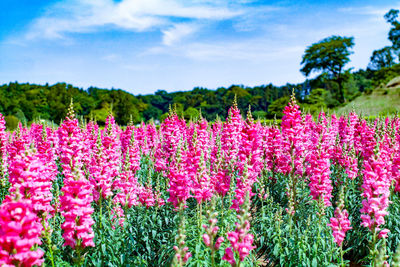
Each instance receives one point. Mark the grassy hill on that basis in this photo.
(383, 101)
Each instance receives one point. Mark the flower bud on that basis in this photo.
(219, 242)
(206, 239)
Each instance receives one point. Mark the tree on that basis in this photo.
(191, 113)
(382, 58)
(315, 101)
(329, 55)
(394, 33)
(276, 107)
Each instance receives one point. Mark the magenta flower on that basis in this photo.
(340, 224)
(172, 131)
(241, 241)
(30, 175)
(196, 158)
(231, 135)
(146, 196)
(249, 164)
(293, 138)
(179, 187)
(229, 256)
(3, 145)
(376, 189)
(76, 209)
(105, 163)
(20, 232)
(75, 203)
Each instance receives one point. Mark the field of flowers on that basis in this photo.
(308, 192)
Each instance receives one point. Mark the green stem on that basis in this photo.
(48, 239)
(198, 218)
(373, 246)
(80, 258)
(101, 211)
(222, 214)
(341, 256)
(201, 215)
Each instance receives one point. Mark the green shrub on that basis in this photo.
(11, 122)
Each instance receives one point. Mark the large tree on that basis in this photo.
(329, 55)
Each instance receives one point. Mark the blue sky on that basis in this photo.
(145, 45)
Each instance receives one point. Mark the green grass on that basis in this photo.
(381, 102)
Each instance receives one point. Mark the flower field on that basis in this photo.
(308, 192)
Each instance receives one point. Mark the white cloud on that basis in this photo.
(135, 15)
(254, 50)
(366, 10)
(177, 32)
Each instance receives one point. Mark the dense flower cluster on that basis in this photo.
(30, 176)
(376, 186)
(340, 224)
(20, 232)
(3, 147)
(75, 203)
(58, 177)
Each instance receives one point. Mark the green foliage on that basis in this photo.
(277, 106)
(260, 114)
(315, 101)
(305, 240)
(382, 58)
(11, 122)
(191, 113)
(394, 33)
(100, 115)
(384, 75)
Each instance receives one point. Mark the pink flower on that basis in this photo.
(229, 256)
(318, 159)
(376, 188)
(146, 196)
(294, 139)
(172, 131)
(230, 139)
(187, 256)
(196, 159)
(76, 209)
(207, 240)
(179, 187)
(20, 232)
(241, 242)
(30, 176)
(3, 145)
(340, 224)
(249, 164)
(219, 242)
(275, 161)
(105, 163)
(383, 233)
(75, 203)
